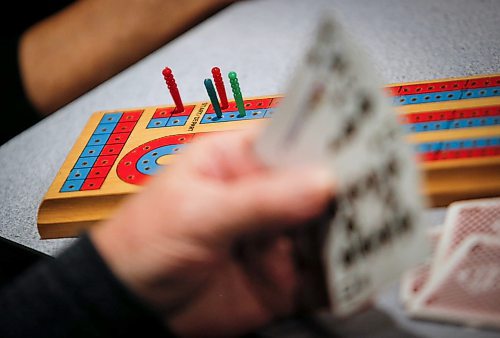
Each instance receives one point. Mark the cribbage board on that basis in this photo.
(454, 125)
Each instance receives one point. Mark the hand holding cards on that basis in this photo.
(335, 113)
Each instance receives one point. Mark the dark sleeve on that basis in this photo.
(21, 113)
(74, 295)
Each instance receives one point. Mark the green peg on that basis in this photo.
(238, 98)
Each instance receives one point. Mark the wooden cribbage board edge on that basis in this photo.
(446, 181)
(66, 214)
(108, 202)
(440, 177)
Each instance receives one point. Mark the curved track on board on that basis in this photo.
(142, 161)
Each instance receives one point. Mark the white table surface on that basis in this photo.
(408, 40)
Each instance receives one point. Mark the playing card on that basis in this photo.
(466, 290)
(415, 279)
(465, 218)
(461, 282)
(412, 282)
(336, 113)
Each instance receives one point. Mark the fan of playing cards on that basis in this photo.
(461, 282)
(336, 113)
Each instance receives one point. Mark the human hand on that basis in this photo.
(174, 242)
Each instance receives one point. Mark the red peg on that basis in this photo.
(174, 91)
(221, 90)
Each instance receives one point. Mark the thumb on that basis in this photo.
(277, 199)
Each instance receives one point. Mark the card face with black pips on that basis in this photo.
(337, 114)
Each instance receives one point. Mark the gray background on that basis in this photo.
(262, 41)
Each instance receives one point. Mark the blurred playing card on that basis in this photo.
(336, 113)
(466, 290)
(461, 283)
(465, 218)
(414, 280)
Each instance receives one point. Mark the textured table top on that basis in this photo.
(262, 41)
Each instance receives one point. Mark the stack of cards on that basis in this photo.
(461, 282)
(335, 113)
